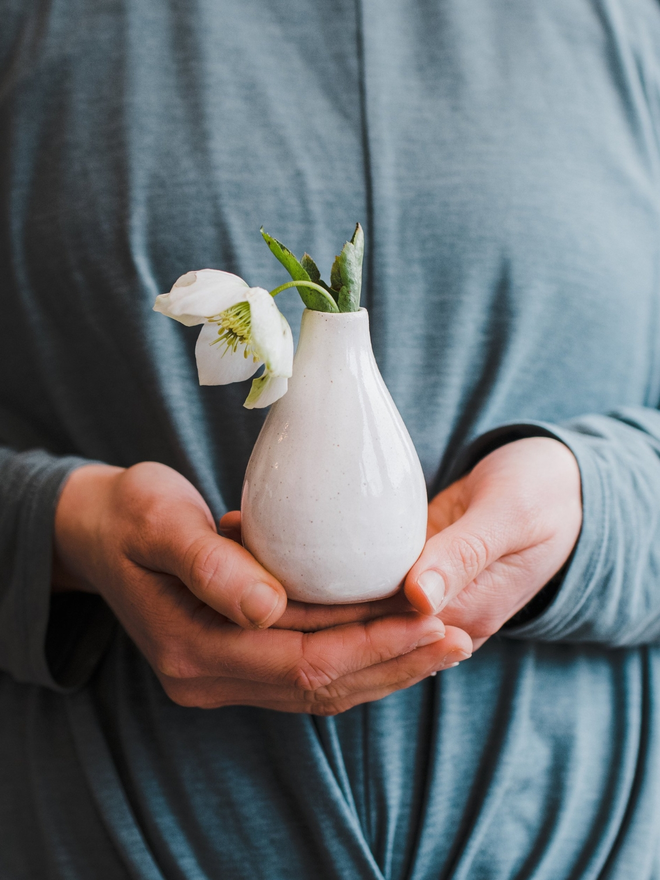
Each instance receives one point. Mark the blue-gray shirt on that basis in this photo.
(504, 158)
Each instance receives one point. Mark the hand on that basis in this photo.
(498, 535)
(199, 606)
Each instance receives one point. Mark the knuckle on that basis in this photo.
(180, 694)
(198, 701)
(327, 710)
(336, 690)
(208, 701)
(471, 553)
(176, 663)
(136, 492)
(408, 675)
(324, 711)
(207, 566)
(148, 515)
(190, 696)
(307, 677)
(372, 647)
(312, 671)
(325, 694)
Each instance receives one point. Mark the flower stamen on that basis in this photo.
(234, 329)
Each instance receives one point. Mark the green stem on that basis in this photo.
(318, 287)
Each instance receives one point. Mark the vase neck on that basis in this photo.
(326, 336)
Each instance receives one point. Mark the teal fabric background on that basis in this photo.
(503, 157)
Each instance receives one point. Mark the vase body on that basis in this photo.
(334, 501)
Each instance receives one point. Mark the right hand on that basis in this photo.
(201, 608)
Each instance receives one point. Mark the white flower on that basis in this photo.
(243, 329)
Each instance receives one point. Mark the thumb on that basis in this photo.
(453, 558)
(220, 572)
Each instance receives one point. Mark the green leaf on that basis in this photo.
(345, 301)
(335, 277)
(312, 270)
(349, 268)
(312, 298)
(286, 258)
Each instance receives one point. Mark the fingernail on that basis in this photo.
(433, 587)
(429, 639)
(259, 602)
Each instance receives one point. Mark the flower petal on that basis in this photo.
(270, 333)
(218, 365)
(266, 390)
(199, 295)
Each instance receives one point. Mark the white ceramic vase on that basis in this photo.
(334, 501)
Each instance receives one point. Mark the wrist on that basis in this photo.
(78, 516)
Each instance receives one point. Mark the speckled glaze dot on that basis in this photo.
(334, 501)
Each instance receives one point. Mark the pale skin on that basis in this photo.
(216, 628)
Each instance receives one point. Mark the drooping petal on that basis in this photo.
(218, 365)
(270, 333)
(266, 390)
(197, 296)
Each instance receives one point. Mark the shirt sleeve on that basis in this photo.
(610, 591)
(55, 640)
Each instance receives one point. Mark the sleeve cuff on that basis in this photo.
(55, 640)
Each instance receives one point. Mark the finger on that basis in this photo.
(231, 520)
(403, 670)
(306, 617)
(229, 526)
(448, 506)
(220, 572)
(306, 661)
(454, 557)
(370, 684)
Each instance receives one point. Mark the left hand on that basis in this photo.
(497, 535)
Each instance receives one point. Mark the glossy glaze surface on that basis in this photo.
(334, 501)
